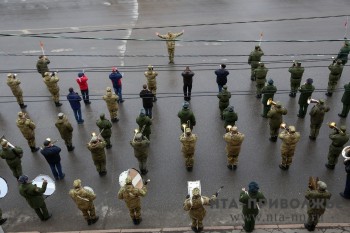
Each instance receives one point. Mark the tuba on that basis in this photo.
(270, 102)
(333, 125)
(346, 153)
(8, 143)
(313, 183)
(309, 100)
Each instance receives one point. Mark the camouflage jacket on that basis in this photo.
(132, 196)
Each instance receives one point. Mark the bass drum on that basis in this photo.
(135, 176)
(51, 186)
(3, 187)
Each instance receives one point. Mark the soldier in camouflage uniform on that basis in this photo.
(254, 59)
(195, 207)
(186, 116)
(51, 80)
(188, 140)
(27, 127)
(170, 42)
(275, 116)
(260, 76)
(106, 126)
(34, 196)
(97, 148)
(296, 74)
(112, 104)
(251, 200)
(268, 92)
(233, 140)
(151, 81)
(41, 65)
(316, 117)
(344, 52)
(339, 139)
(346, 101)
(84, 198)
(224, 100)
(66, 130)
(141, 146)
(144, 123)
(13, 83)
(305, 93)
(230, 116)
(289, 139)
(336, 69)
(132, 197)
(317, 204)
(13, 158)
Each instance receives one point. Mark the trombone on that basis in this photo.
(270, 102)
(93, 134)
(135, 132)
(8, 143)
(184, 126)
(333, 125)
(309, 100)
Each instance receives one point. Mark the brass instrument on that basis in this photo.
(143, 129)
(284, 126)
(309, 100)
(49, 139)
(333, 125)
(346, 153)
(184, 126)
(334, 60)
(93, 134)
(135, 132)
(270, 102)
(228, 128)
(313, 183)
(8, 143)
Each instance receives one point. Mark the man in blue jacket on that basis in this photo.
(52, 156)
(221, 76)
(116, 79)
(74, 100)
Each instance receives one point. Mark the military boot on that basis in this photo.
(34, 149)
(154, 99)
(70, 148)
(283, 167)
(3, 220)
(115, 119)
(138, 221)
(194, 229)
(229, 166)
(200, 229)
(329, 94)
(94, 220)
(58, 104)
(189, 169)
(331, 167)
(134, 220)
(89, 221)
(22, 106)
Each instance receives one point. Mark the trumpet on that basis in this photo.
(309, 100)
(270, 102)
(346, 153)
(313, 183)
(284, 126)
(8, 143)
(333, 125)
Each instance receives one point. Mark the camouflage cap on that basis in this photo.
(261, 64)
(185, 104)
(270, 81)
(9, 75)
(108, 89)
(339, 61)
(150, 67)
(253, 187)
(291, 129)
(20, 114)
(234, 129)
(46, 73)
(60, 115)
(77, 183)
(230, 108)
(188, 131)
(4, 143)
(321, 185)
(23, 179)
(343, 128)
(309, 81)
(94, 139)
(128, 180)
(224, 87)
(138, 136)
(195, 192)
(102, 116)
(278, 104)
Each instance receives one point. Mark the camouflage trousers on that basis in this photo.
(266, 109)
(197, 222)
(312, 220)
(189, 160)
(42, 211)
(142, 164)
(89, 213)
(135, 213)
(253, 66)
(100, 165)
(55, 96)
(333, 154)
(68, 141)
(31, 142)
(287, 158)
(223, 106)
(303, 109)
(171, 52)
(249, 222)
(259, 87)
(152, 88)
(345, 111)
(232, 159)
(19, 98)
(108, 141)
(315, 129)
(294, 85)
(113, 112)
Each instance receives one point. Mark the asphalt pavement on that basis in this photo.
(94, 36)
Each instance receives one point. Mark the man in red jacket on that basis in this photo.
(84, 88)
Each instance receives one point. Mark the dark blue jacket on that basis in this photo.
(51, 154)
(116, 79)
(221, 76)
(74, 100)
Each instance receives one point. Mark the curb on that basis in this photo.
(210, 228)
